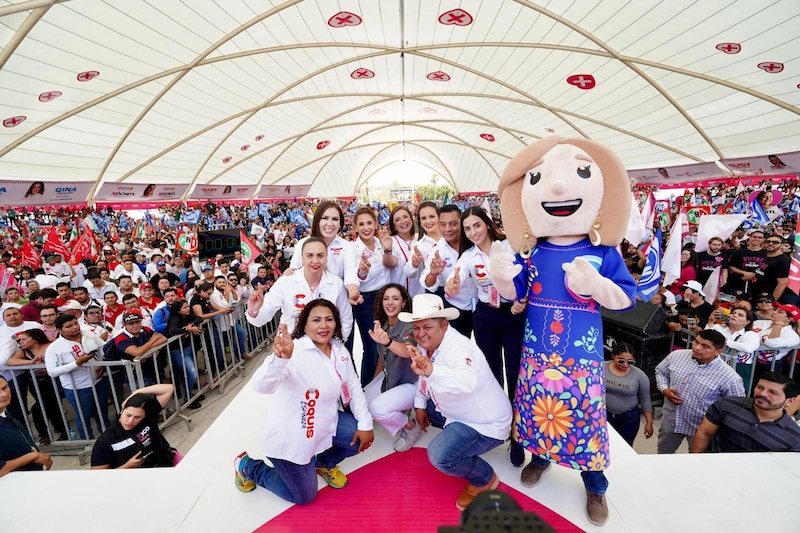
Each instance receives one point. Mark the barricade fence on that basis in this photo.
(220, 352)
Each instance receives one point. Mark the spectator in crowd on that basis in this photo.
(711, 259)
(746, 265)
(47, 318)
(64, 294)
(740, 339)
(226, 297)
(126, 286)
(763, 307)
(162, 311)
(778, 336)
(757, 424)
(18, 452)
(94, 322)
(457, 392)
(81, 295)
(689, 268)
(626, 388)
(183, 349)
(135, 340)
(203, 309)
(311, 365)
(96, 286)
(65, 359)
(112, 308)
(775, 278)
(135, 440)
(14, 326)
(691, 380)
(161, 273)
(147, 297)
(40, 298)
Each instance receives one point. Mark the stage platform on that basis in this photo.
(647, 493)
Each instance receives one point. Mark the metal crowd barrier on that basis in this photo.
(70, 431)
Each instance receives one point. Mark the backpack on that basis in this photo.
(109, 350)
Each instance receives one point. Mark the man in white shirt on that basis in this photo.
(457, 392)
(224, 296)
(96, 287)
(127, 267)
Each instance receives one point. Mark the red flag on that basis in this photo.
(54, 243)
(418, 199)
(30, 257)
(95, 248)
(7, 279)
(249, 250)
(186, 241)
(81, 249)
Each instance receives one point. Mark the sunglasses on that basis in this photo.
(625, 362)
(773, 242)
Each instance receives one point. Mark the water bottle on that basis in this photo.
(72, 434)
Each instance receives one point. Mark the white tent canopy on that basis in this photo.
(328, 93)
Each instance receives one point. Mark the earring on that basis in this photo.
(526, 248)
(594, 236)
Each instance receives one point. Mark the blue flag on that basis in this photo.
(757, 213)
(651, 275)
(191, 217)
(384, 215)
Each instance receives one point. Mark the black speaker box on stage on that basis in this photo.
(645, 328)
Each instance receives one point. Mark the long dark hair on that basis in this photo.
(377, 310)
(37, 336)
(321, 208)
(491, 228)
(302, 320)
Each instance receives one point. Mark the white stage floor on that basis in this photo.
(647, 493)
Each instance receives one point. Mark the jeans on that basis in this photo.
(236, 332)
(594, 482)
(298, 483)
(363, 314)
(184, 369)
(626, 424)
(213, 345)
(83, 403)
(456, 452)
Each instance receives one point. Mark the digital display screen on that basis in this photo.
(224, 241)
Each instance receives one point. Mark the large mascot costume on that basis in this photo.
(565, 205)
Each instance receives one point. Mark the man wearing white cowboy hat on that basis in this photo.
(456, 391)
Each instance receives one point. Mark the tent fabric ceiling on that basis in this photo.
(330, 93)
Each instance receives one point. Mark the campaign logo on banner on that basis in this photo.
(263, 210)
(677, 174)
(13, 193)
(222, 192)
(695, 213)
(138, 192)
(770, 164)
(284, 191)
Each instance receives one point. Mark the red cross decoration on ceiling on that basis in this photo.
(428, 111)
(438, 76)
(455, 17)
(582, 81)
(259, 137)
(771, 66)
(244, 147)
(49, 96)
(227, 160)
(14, 121)
(343, 19)
(322, 145)
(487, 137)
(88, 75)
(549, 130)
(362, 74)
(729, 48)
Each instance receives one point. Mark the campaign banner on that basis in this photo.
(764, 165)
(681, 173)
(140, 192)
(43, 193)
(222, 192)
(284, 191)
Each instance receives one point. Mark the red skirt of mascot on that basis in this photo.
(565, 205)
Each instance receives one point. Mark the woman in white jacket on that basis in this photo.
(307, 434)
(740, 339)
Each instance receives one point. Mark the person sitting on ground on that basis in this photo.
(17, 449)
(758, 424)
(309, 372)
(134, 440)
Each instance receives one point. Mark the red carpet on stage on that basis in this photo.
(401, 492)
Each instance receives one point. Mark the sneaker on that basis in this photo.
(516, 454)
(195, 405)
(405, 441)
(242, 482)
(532, 474)
(469, 493)
(596, 509)
(333, 477)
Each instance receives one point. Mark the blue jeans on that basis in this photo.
(211, 336)
(626, 424)
(237, 331)
(298, 483)
(456, 452)
(594, 482)
(363, 314)
(88, 408)
(184, 368)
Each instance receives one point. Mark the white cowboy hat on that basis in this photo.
(428, 306)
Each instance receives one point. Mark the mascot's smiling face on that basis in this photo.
(562, 192)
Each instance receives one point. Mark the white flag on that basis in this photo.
(721, 226)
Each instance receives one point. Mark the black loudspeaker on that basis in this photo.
(645, 328)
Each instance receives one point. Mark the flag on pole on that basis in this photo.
(30, 257)
(249, 250)
(635, 233)
(82, 249)
(721, 226)
(139, 230)
(711, 288)
(53, 243)
(651, 275)
(7, 279)
(671, 260)
(757, 213)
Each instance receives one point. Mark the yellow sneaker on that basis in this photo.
(242, 482)
(333, 477)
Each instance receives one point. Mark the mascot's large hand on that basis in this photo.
(585, 280)
(503, 270)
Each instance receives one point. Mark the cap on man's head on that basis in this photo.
(145, 285)
(695, 286)
(206, 268)
(132, 315)
(71, 305)
(765, 297)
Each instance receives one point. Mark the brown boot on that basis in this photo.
(469, 493)
(596, 509)
(532, 474)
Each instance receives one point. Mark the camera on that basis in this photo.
(495, 511)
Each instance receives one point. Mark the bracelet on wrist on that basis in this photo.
(388, 343)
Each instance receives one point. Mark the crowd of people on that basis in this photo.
(441, 346)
